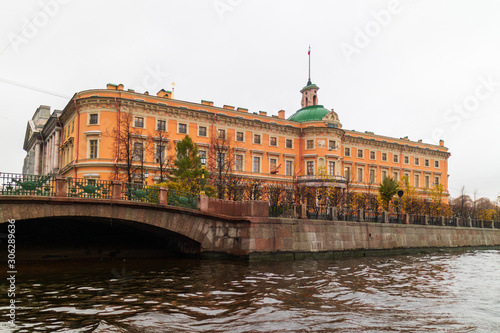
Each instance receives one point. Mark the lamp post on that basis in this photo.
(203, 160)
(146, 175)
(400, 195)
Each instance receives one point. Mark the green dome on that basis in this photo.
(309, 113)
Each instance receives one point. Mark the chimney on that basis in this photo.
(229, 107)
(210, 103)
(242, 110)
(146, 93)
(281, 114)
(262, 113)
(119, 87)
(441, 143)
(111, 86)
(420, 141)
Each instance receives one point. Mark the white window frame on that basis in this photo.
(206, 131)
(179, 127)
(236, 136)
(90, 116)
(143, 122)
(291, 167)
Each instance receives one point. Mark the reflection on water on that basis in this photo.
(446, 292)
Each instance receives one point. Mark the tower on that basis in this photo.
(310, 91)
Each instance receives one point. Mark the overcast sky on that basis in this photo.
(424, 69)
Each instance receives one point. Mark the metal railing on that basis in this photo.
(89, 188)
(140, 192)
(22, 184)
(182, 199)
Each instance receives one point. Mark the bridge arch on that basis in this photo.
(195, 231)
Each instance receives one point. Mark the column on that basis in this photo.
(37, 159)
(56, 149)
(49, 155)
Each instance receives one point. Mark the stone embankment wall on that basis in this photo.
(311, 236)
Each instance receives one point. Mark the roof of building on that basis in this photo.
(309, 86)
(309, 113)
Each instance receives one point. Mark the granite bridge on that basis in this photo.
(203, 226)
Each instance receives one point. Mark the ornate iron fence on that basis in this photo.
(21, 184)
(140, 192)
(396, 218)
(371, 216)
(182, 199)
(89, 188)
(417, 219)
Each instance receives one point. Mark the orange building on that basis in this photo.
(309, 147)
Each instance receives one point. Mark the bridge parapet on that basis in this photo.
(57, 186)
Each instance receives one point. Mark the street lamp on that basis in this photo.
(203, 160)
(146, 175)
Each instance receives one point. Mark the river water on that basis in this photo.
(439, 292)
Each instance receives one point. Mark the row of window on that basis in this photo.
(360, 174)
(161, 125)
(395, 157)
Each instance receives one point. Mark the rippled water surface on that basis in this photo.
(442, 292)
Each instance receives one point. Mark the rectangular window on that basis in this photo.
(360, 153)
(221, 134)
(238, 163)
(407, 160)
(161, 125)
(289, 143)
(139, 122)
(182, 128)
(417, 181)
(347, 151)
(372, 155)
(436, 181)
(395, 175)
(331, 145)
(160, 154)
(331, 168)
(360, 175)
(427, 181)
(310, 168)
(256, 139)
(384, 157)
(94, 119)
(289, 168)
(221, 159)
(384, 174)
(202, 131)
(426, 162)
(373, 176)
(272, 166)
(310, 144)
(256, 164)
(347, 173)
(436, 164)
(93, 148)
(239, 136)
(138, 151)
(72, 126)
(395, 158)
(273, 141)
(417, 161)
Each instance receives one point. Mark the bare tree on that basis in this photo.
(162, 156)
(130, 150)
(220, 164)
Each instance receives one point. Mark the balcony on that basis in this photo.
(321, 180)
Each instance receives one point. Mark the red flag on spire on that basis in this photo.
(309, 52)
